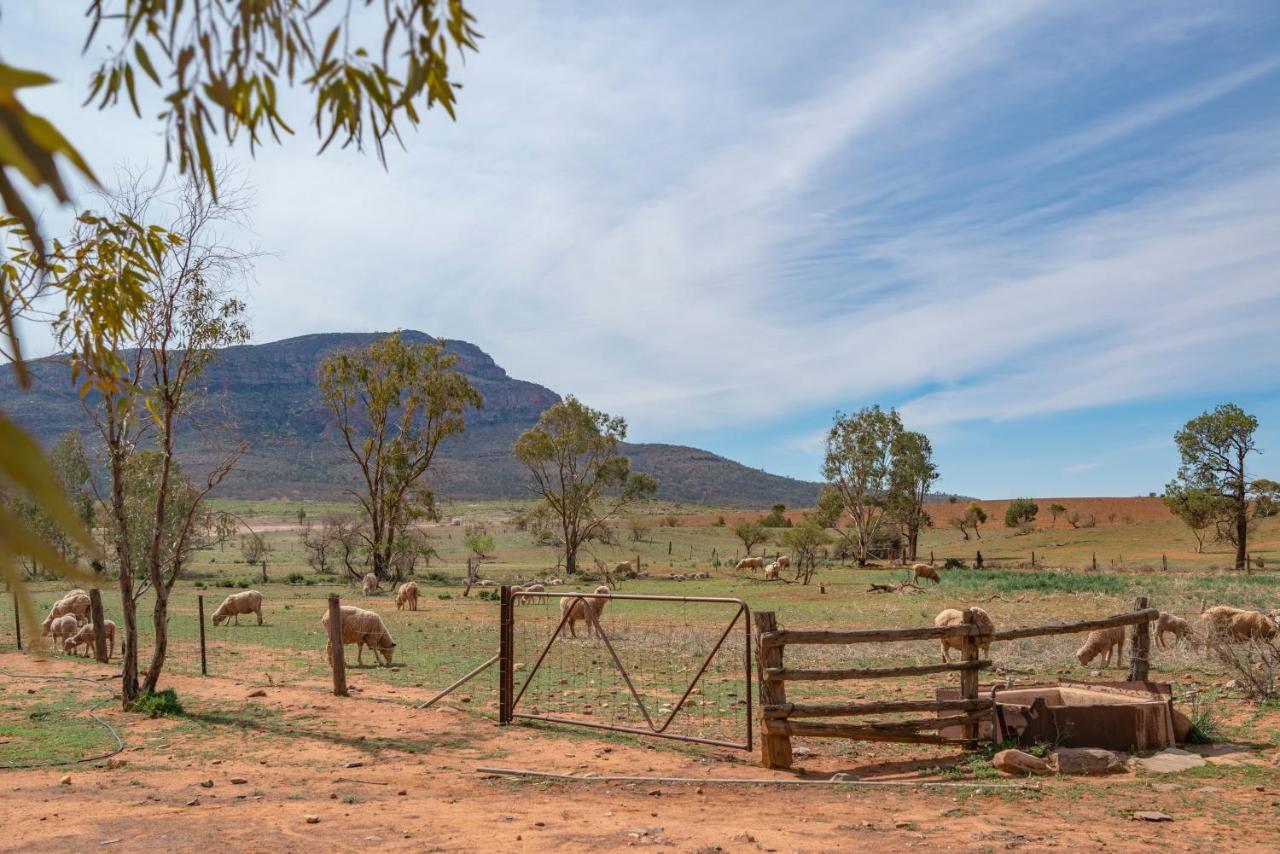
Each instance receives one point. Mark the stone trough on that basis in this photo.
(1114, 715)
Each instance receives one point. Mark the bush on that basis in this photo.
(954, 563)
(296, 578)
(444, 596)
(489, 595)
(776, 517)
(1019, 512)
(719, 521)
(159, 703)
(672, 520)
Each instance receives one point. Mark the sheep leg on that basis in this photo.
(360, 653)
(946, 658)
(259, 612)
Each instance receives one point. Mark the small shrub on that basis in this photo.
(954, 563)
(1020, 511)
(719, 521)
(671, 520)
(296, 578)
(159, 703)
(199, 585)
(1205, 726)
(444, 596)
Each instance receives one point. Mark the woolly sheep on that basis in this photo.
(244, 602)
(623, 567)
(750, 563)
(1174, 625)
(783, 562)
(407, 594)
(953, 617)
(923, 570)
(371, 585)
(552, 582)
(702, 576)
(524, 599)
(362, 628)
(75, 602)
(573, 609)
(62, 628)
(1102, 641)
(1251, 625)
(86, 637)
(771, 572)
(1217, 620)
(486, 582)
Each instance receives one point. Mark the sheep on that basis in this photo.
(923, 570)
(1172, 624)
(701, 576)
(75, 602)
(62, 628)
(750, 563)
(86, 637)
(371, 585)
(1102, 641)
(362, 628)
(771, 572)
(244, 602)
(953, 617)
(1217, 620)
(1251, 625)
(623, 568)
(407, 594)
(573, 609)
(524, 598)
(486, 582)
(552, 582)
(783, 562)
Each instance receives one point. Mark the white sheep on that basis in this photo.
(244, 602)
(553, 582)
(1251, 625)
(362, 628)
(407, 594)
(486, 582)
(953, 617)
(370, 584)
(86, 637)
(783, 562)
(1217, 620)
(1174, 625)
(573, 609)
(75, 602)
(1102, 641)
(923, 570)
(523, 598)
(771, 572)
(750, 563)
(701, 576)
(62, 628)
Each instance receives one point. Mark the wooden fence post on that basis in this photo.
(668, 547)
(337, 659)
(1033, 560)
(775, 750)
(969, 679)
(95, 617)
(930, 558)
(1095, 561)
(204, 660)
(506, 654)
(17, 620)
(1164, 561)
(1140, 648)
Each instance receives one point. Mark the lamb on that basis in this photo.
(244, 602)
(1172, 624)
(750, 563)
(371, 585)
(1102, 641)
(771, 572)
(407, 594)
(589, 610)
(75, 602)
(923, 570)
(1251, 625)
(86, 636)
(953, 617)
(62, 628)
(362, 628)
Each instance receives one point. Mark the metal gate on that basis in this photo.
(661, 666)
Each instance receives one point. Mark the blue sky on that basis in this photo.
(1048, 232)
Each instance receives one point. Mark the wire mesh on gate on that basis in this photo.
(668, 666)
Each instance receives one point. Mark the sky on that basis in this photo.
(1048, 233)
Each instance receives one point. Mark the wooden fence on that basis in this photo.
(782, 719)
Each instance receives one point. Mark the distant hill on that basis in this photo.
(266, 394)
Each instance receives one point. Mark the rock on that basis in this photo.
(66, 780)
(260, 692)
(238, 781)
(1181, 726)
(1226, 753)
(356, 764)
(194, 802)
(313, 819)
(206, 784)
(1169, 761)
(1165, 788)
(1151, 815)
(743, 837)
(1018, 762)
(842, 777)
(116, 762)
(1088, 760)
(403, 792)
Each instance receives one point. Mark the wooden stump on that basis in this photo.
(775, 749)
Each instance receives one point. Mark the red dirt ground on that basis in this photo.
(1139, 510)
(432, 798)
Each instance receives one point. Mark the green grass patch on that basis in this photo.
(159, 703)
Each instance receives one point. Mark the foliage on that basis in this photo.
(807, 543)
(971, 520)
(183, 528)
(911, 473)
(858, 468)
(1076, 519)
(751, 532)
(953, 563)
(395, 402)
(1020, 512)
(70, 469)
(1200, 509)
(776, 517)
(1266, 498)
(158, 703)
(639, 527)
(1214, 447)
(478, 542)
(1056, 510)
(254, 548)
(579, 470)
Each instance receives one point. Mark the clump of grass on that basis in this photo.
(159, 703)
(1205, 726)
(1041, 582)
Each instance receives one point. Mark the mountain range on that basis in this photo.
(267, 395)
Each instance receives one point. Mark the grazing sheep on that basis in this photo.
(371, 585)
(623, 568)
(362, 628)
(701, 576)
(783, 562)
(524, 598)
(1251, 625)
(1172, 624)
(486, 582)
(62, 628)
(244, 602)
(552, 582)
(953, 617)
(76, 603)
(573, 609)
(923, 570)
(1102, 641)
(771, 572)
(407, 594)
(750, 563)
(86, 637)
(1217, 620)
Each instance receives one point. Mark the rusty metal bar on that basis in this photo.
(459, 683)
(506, 655)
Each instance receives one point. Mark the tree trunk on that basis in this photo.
(160, 624)
(570, 562)
(128, 607)
(1242, 516)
